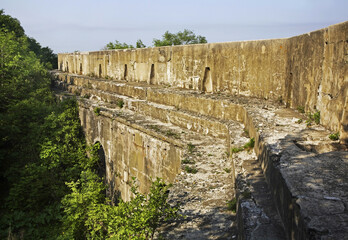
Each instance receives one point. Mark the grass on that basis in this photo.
(120, 103)
(249, 145)
(334, 136)
(86, 96)
(316, 117)
(227, 170)
(299, 121)
(236, 150)
(169, 133)
(232, 205)
(188, 161)
(301, 109)
(190, 147)
(191, 169)
(97, 111)
(154, 127)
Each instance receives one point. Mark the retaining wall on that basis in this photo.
(309, 70)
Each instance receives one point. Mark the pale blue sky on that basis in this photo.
(87, 25)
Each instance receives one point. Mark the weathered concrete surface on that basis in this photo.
(309, 70)
(304, 170)
(131, 149)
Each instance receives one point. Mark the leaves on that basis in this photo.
(180, 38)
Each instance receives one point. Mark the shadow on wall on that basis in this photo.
(110, 190)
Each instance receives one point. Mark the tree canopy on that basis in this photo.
(179, 38)
(168, 39)
(45, 54)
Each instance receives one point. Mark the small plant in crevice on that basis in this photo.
(237, 149)
(299, 121)
(334, 136)
(245, 132)
(249, 145)
(188, 161)
(154, 127)
(190, 147)
(97, 111)
(232, 205)
(120, 103)
(316, 117)
(170, 133)
(189, 169)
(301, 109)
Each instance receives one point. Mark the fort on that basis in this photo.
(248, 120)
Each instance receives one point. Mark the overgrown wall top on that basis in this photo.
(309, 70)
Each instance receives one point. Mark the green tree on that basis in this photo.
(46, 55)
(11, 24)
(140, 44)
(117, 45)
(180, 38)
(87, 214)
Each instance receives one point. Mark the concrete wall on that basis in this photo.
(129, 152)
(309, 70)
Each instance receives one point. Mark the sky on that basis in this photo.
(88, 25)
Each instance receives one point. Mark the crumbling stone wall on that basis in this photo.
(129, 152)
(309, 70)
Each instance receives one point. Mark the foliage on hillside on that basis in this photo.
(45, 54)
(49, 186)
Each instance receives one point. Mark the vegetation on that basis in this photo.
(120, 103)
(168, 39)
(191, 169)
(313, 118)
(11, 25)
(188, 161)
(181, 38)
(334, 136)
(97, 111)
(232, 205)
(49, 186)
(118, 45)
(301, 109)
(248, 146)
(190, 147)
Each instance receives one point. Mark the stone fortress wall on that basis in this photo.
(308, 70)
